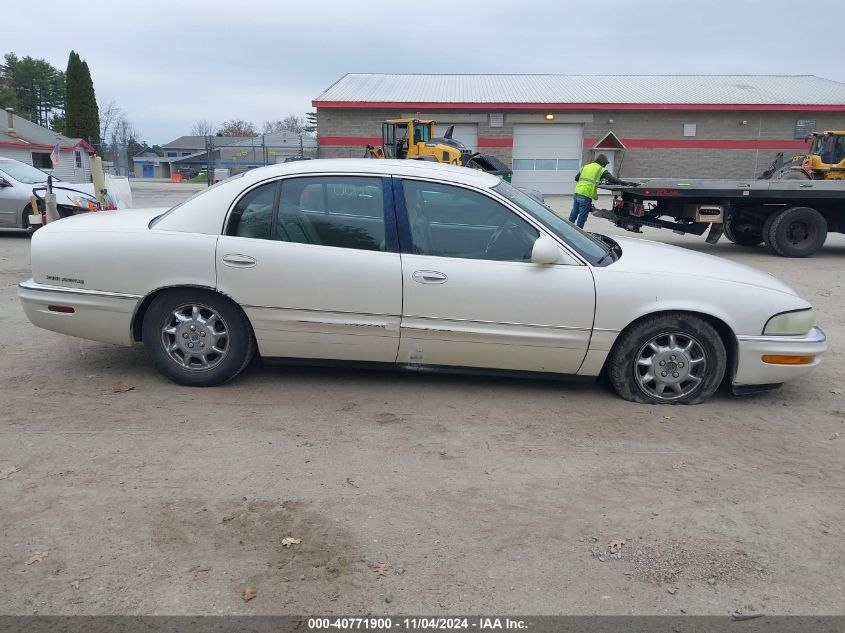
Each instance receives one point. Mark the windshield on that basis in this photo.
(155, 220)
(23, 173)
(588, 247)
(830, 148)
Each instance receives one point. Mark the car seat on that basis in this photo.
(295, 226)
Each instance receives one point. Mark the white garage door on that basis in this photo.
(466, 133)
(547, 157)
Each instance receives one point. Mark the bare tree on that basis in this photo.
(122, 131)
(237, 127)
(294, 124)
(202, 127)
(116, 134)
(272, 127)
(110, 115)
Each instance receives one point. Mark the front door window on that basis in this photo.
(448, 221)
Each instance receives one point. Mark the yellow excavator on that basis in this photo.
(825, 161)
(414, 139)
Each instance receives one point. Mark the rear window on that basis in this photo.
(159, 218)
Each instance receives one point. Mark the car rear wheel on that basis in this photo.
(196, 337)
(668, 359)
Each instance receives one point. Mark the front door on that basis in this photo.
(316, 268)
(11, 205)
(472, 296)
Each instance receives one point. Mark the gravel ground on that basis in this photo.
(412, 494)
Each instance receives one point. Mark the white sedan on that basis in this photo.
(414, 265)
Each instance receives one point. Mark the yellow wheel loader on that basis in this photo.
(825, 161)
(414, 139)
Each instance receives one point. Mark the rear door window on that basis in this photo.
(252, 216)
(338, 211)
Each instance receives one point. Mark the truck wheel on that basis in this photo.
(767, 228)
(796, 232)
(743, 233)
(672, 358)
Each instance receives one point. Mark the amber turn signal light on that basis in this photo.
(779, 359)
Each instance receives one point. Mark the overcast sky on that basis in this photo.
(169, 63)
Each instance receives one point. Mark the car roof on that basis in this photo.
(422, 169)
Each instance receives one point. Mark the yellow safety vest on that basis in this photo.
(588, 179)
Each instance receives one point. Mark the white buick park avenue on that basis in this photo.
(413, 265)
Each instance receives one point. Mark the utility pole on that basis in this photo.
(209, 163)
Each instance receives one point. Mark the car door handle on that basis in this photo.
(429, 277)
(238, 261)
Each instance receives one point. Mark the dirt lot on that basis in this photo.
(479, 495)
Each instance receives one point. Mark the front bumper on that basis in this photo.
(751, 370)
(97, 315)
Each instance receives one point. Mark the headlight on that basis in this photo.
(791, 323)
(83, 202)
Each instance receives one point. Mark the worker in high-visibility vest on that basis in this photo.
(588, 179)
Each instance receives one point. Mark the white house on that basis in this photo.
(32, 144)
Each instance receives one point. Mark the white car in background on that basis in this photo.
(17, 181)
(416, 265)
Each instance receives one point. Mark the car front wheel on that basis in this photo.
(668, 359)
(25, 223)
(196, 337)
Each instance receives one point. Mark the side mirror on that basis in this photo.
(545, 251)
(4, 183)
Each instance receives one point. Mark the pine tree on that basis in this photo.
(72, 95)
(310, 122)
(33, 87)
(82, 119)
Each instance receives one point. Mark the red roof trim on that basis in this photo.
(63, 148)
(580, 106)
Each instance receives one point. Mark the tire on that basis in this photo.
(791, 174)
(691, 351)
(193, 348)
(25, 225)
(767, 229)
(744, 235)
(796, 232)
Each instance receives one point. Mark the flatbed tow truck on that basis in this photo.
(792, 217)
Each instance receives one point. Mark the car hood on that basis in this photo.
(63, 196)
(645, 256)
(122, 220)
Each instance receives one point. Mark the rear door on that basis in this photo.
(314, 262)
(472, 296)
